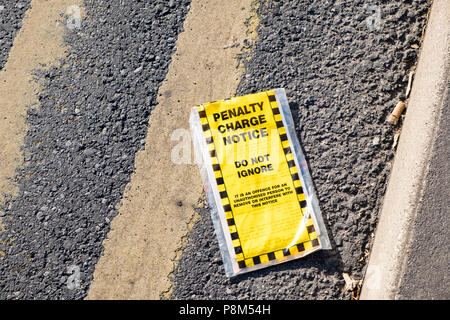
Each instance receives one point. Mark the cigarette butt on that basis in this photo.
(397, 112)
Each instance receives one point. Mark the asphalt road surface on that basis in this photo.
(342, 77)
(344, 65)
(11, 14)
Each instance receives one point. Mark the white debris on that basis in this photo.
(376, 141)
(410, 80)
(350, 283)
(396, 137)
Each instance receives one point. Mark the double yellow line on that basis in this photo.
(158, 205)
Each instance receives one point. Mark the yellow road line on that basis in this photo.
(39, 42)
(147, 234)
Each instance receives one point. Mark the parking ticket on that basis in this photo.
(257, 182)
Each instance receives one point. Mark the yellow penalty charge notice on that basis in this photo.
(260, 193)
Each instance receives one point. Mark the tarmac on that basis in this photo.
(411, 251)
(100, 197)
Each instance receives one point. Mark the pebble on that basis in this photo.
(376, 141)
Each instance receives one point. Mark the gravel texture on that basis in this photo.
(80, 148)
(343, 70)
(11, 15)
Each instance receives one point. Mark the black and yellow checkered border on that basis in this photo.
(299, 248)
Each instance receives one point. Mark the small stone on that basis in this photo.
(89, 152)
(40, 216)
(376, 141)
(67, 244)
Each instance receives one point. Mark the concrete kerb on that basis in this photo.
(394, 230)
